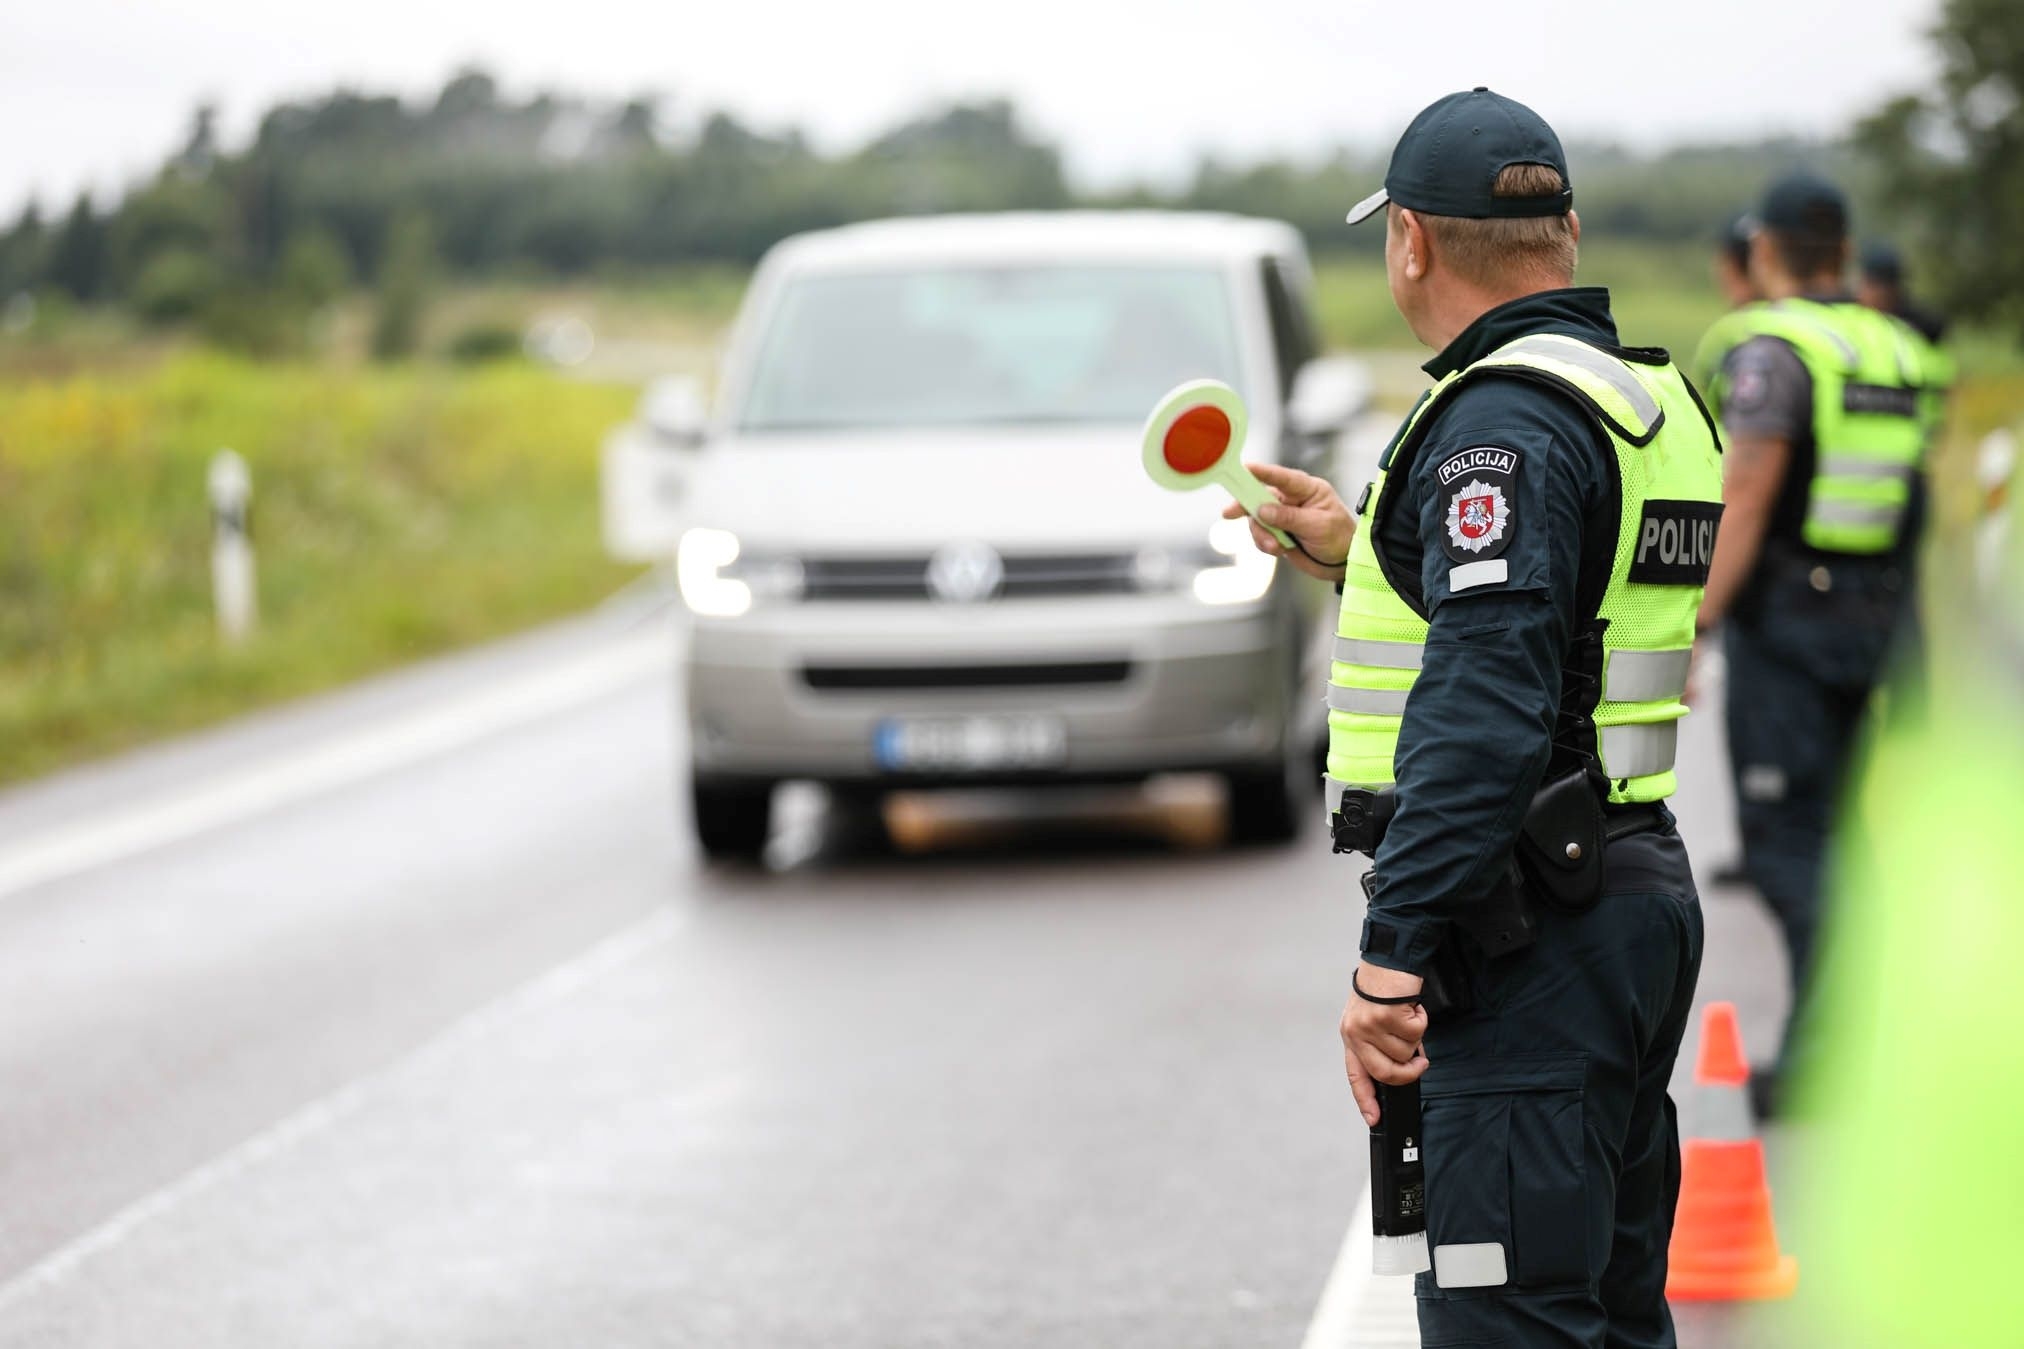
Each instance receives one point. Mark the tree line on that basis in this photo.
(352, 188)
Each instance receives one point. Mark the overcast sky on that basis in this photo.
(94, 92)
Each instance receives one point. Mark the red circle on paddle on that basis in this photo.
(1197, 439)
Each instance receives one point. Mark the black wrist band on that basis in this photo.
(1312, 558)
(1382, 1002)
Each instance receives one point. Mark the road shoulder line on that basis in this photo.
(335, 761)
(1359, 1309)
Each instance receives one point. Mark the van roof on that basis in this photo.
(1040, 236)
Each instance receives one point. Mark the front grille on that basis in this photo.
(884, 677)
(1026, 576)
(864, 578)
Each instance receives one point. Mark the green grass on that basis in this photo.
(397, 512)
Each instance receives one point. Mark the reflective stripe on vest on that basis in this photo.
(1858, 514)
(1384, 655)
(1371, 702)
(1639, 751)
(1665, 452)
(1849, 466)
(1645, 676)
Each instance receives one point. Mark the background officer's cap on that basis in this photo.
(1735, 239)
(1881, 261)
(1806, 205)
(1448, 160)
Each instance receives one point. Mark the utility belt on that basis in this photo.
(1801, 564)
(1862, 593)
(1558, 857)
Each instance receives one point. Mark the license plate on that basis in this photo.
(969, 744)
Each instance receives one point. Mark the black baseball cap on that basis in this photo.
(1735, 238)
(1449, 158)
(1881, 261)
(1804, 204)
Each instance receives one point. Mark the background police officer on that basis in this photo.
(1518, 597)
(1732, 262)
(1731, 268)
(1880, 284)
(1827, 418)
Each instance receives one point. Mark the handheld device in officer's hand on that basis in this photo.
(1195, 437)
(1398, 1184)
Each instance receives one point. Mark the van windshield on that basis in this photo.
(971, 345)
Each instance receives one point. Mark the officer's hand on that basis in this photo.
(1310, 511)
(1380, 1042)
(1704, 668)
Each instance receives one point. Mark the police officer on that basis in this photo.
(1518, 595)
(1880, 284)
(1732, 277)
(1827, 424)
(1732, 262)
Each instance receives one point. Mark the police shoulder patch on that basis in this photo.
(1478, 502)
(1749, 388)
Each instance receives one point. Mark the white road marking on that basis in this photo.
(335, 762)
(579, 972)
(1359, 1309)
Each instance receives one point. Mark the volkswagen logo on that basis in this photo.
(965, 573)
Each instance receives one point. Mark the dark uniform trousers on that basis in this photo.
(1803, 664)
(1547, 1126)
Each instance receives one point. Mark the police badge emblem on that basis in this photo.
(1477, 514)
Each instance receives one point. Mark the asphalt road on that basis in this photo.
(409, 1017)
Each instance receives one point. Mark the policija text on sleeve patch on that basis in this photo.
(1675, 542)
(1479, 512)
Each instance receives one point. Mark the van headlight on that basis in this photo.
(719, 580)
(1239, 573)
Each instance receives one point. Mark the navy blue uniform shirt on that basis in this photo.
(1478, 727)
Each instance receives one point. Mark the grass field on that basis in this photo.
(396, 513)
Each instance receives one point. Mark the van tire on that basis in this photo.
(732, 817)
(1266, 804)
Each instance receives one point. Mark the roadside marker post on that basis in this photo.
(234, 590)
(1195, 438)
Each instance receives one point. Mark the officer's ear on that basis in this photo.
(1415, 249)
(1574, 224)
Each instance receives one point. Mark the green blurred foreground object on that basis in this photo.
(396, 512)
(1911, 1200)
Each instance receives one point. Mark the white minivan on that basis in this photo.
(918, 547)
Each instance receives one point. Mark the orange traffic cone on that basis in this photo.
(1725, 1247)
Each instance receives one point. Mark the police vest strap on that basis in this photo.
(1645, 676)
(1382, 655)
(1370, 702)
(1617, 393)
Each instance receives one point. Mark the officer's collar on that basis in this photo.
(1578, 311)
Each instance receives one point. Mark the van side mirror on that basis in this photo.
(673, 409)
(1327, 393)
